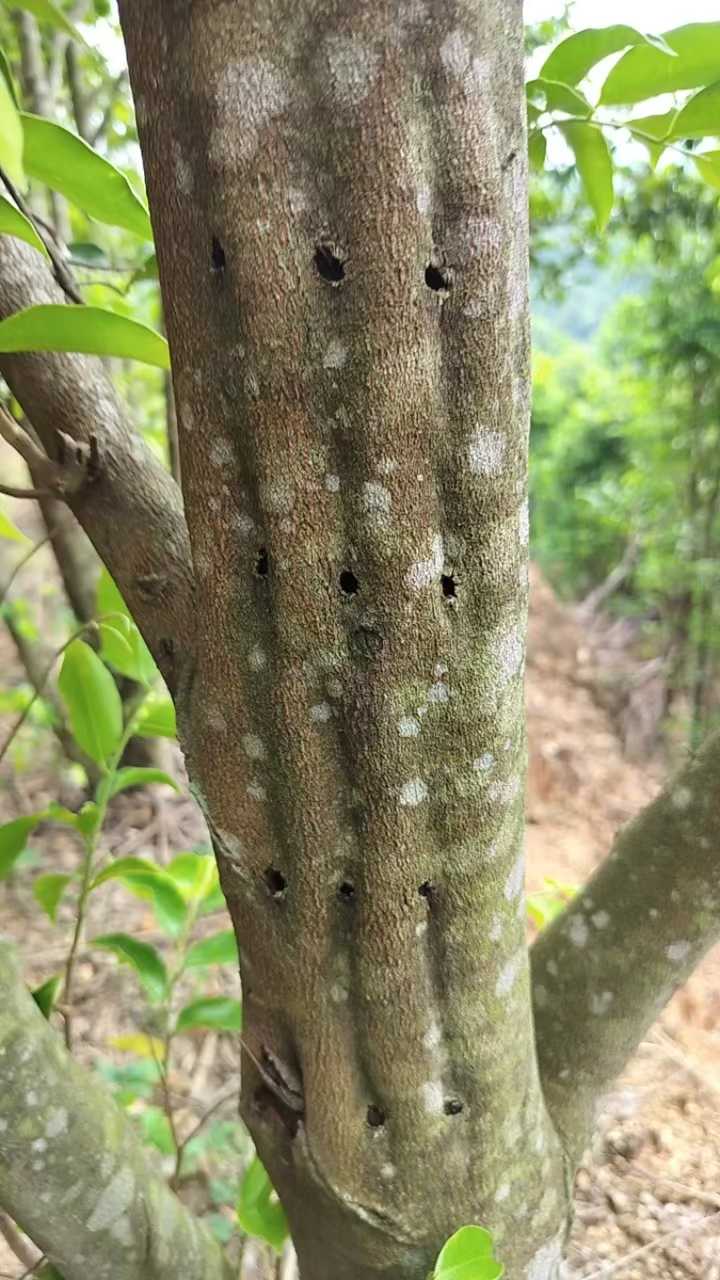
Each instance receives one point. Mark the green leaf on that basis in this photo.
(66, 164)
(573, 58)
(644, 72)
(151, 883)
(468, 1255)
(135, 776)
(48, 891)
(594, 164)
(7, 75)
(156, 718)
(122, 644)
(92, 700)
(537, 147)
(9, 531)
(57, 326)
(195, 874)
(156, 1130)
(46, 996)
(258, 1215)
(46, 11)
(708, 166)
(700, 117)
(143, 958)
(219, 948)
(559, 97)
(11, 136)
(13, 838)
(652, 130)
(14, 223)
(218, 1013)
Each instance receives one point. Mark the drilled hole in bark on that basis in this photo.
(261, 563)
(329, 266)
(347, 891)
(274, 881)
(436, 279)
(452, 1106)
(217, 254)
(427, 889)
(349, 584)
(449, 586)
(375, 1116)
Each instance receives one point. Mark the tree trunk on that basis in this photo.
(339, 206)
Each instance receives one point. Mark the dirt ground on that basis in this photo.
(648, 1196)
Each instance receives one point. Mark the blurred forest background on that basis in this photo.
(624, 671)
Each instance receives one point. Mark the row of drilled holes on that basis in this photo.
(276, 884)
(349, 584)
(332, 268)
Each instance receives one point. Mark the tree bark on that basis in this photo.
(72, 1172)
(339, 207)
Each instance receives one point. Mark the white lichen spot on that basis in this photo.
(121, 1229)
(509, 652)
(248, 94)
(388, 1172)
(678, 951)
(253, 746)
(39, 1145)
(338, 994)
(257, 658)
(552, 968)
(516, 878)
(413, 793)
(408, 727)
(540, 1142)
(502, 1192)
(506, 791)
(524, 524)
(438, 693)
(377, 503)
(545, 1263)
(257, 792)
(600, 1002)
(335, 354)
(682, 798)
(113, 1201)
(3, 1126)
(433, 1097)
(484, 763)
(432, 1036)
(486, 452)
(353, 67)
(215, 719)
(183, 170)
(421, 928)
(497, 928)
(440, 670)
(321, 713)
(577, 931)
(424, 572)
(107, 1164)
(332, 483)
(221, 453)
(386, 466)
(601, 919)
(297, 200)
(31, 1098)
(422, 200)
(455, 54)
(509, 974)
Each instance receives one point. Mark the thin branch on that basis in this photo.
(160, 1236)
(11, 492)
(604, 969)
(10, 1234)
(75, 466)
(62, 273)
(133, 510)
(23, 561)
(115, 90)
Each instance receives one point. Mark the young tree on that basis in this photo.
(339, 208)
